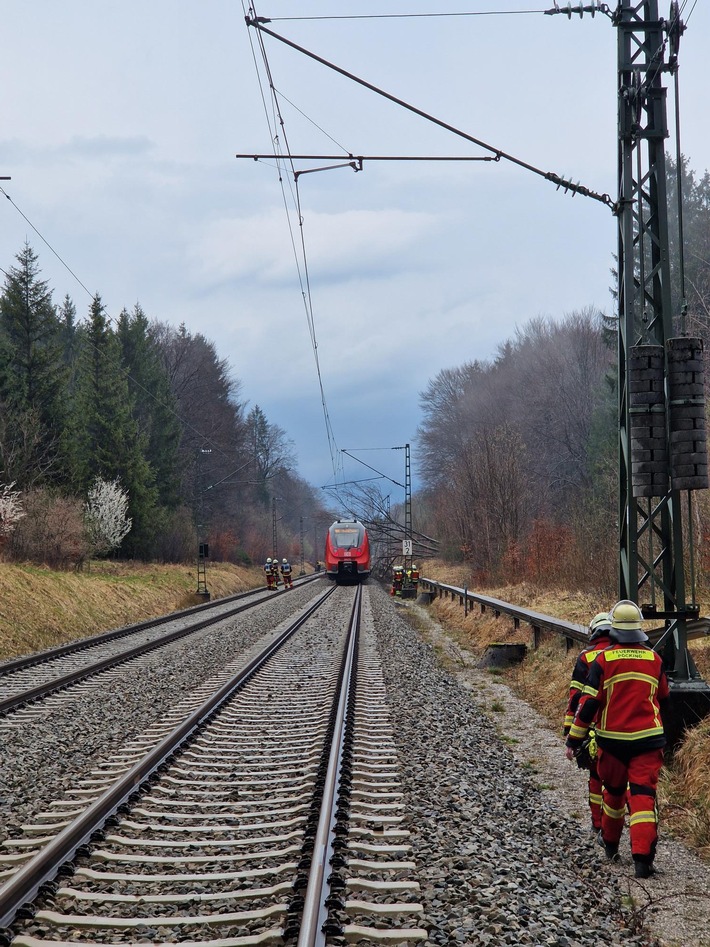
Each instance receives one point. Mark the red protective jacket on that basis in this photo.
(625, 689)
(580, 675)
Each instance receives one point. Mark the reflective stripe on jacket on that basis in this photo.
(625, 688)
(580, 675)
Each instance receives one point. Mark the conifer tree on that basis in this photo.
(32, 371)
(154, 406)
(107, 440)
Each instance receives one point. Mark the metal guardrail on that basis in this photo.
(538, 622)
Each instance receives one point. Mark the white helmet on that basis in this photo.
(626, 621)
(269, 559)
(599, 625)
(285, 560)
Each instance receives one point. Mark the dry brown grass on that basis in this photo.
(543, 680)
(685, 790)
(40, 608)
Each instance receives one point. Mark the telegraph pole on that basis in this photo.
(202, 545)
(408, 544)
(274, 534)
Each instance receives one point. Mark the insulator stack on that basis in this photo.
(647, 419)
(686, 414)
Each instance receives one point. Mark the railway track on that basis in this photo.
(270, 812)
(29, 679)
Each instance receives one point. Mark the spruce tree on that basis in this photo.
(153, 403)
(33, 373)
(107, 441)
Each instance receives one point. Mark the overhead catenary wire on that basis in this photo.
(280, 138)
(304, 277)
(406, 16)
(126, 374)
(47, 243)
(259, 25)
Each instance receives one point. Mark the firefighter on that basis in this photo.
(286, 574)
(397, 580)
(414, 576)
(599, 628)
(271, 571)
(625, 692)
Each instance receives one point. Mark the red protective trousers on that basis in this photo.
(640, 773)
(595, 795)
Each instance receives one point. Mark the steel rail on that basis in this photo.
(42, 657)
(311, 933)
(25, 884)
(8, 704)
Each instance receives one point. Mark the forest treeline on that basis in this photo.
(519, 454)
(135, 402)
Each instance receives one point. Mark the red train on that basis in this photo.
(347, 552)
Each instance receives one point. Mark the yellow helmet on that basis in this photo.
(626, 619)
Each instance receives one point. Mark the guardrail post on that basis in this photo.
(536, 636)
(465, 601)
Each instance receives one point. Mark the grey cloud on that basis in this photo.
(106, 146)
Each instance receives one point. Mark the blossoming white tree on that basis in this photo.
(105, 515)
(10, 509)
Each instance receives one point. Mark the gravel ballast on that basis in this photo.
(499, 829)
(500, 865)
(41, 760)
(500, 818)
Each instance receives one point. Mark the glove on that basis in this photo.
(583, 756)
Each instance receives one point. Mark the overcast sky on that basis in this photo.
(120, 126)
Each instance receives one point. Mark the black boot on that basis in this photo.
(611, 849)
(643, 869)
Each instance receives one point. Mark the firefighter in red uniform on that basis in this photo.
(397, 580)
(286, 574)
(272, 570)
(625, 690)
(599, 628)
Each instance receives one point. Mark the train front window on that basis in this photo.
(346, 537)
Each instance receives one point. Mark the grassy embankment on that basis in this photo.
(543, 679)
(40, 608)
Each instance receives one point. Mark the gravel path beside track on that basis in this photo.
(541, 821)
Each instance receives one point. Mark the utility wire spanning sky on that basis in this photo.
(120, 130)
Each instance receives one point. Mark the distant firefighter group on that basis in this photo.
(404, 580)
(271, 570)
